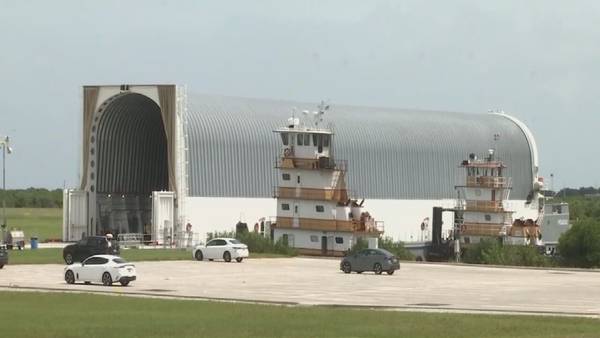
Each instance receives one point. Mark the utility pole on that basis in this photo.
(5, 143)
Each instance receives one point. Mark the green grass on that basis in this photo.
(54, 255)
(45, 223)
(30, 314)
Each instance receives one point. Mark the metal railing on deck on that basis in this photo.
(323, 163)
(311, 193)
(489, 182)
(481, 229)
(490, 206)
(371, 226)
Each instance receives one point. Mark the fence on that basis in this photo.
(130, 240)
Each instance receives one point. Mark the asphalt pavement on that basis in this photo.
(307, 281)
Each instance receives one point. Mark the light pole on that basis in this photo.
(5, 143)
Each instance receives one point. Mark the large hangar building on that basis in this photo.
(161, 161)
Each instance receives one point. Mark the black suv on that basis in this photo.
(3, 256)
(93, 245)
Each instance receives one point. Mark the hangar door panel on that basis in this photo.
(163, 216)
(75, 211)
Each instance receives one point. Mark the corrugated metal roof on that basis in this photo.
(391, 153)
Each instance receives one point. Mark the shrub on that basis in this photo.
(387, 243)
(491, 251)
(256, 242)
(397, 248)
(360, 244)
(580, 245)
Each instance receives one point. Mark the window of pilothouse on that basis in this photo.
(285, 138)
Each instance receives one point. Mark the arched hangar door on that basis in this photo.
(131, 162)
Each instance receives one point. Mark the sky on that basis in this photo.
(535, 60)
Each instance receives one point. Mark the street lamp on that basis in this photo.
(5, 143)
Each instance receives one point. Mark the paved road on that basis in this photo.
(319, 282)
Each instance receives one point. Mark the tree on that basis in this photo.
(580, 245)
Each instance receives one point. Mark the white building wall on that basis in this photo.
(208, 214)
(402, 217)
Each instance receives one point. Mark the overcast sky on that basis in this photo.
(537, 60)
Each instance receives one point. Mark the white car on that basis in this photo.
(105, 269)
(222, 248)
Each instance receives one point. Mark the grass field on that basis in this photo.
(45, 223)
(30, 314)
(54, 255)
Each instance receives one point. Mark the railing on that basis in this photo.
(481, 229)
(130, 239)
(187, 239)
(531, 231)
(330, 225)
(485, 206)
(323, 163)
(311, 193)
(489, 182)
(369, 226)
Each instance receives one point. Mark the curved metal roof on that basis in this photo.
(391, 153)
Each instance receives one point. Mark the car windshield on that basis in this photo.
(386, 253)
(234, 241)
(119, 260)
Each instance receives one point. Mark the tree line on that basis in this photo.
(32, 198)
(580, 245)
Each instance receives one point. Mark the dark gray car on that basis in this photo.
(377, 260)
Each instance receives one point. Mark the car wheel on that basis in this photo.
(227, 256)
(106, 279)
(69, 259)
(1, 266)
(390, 272)
(377, 268)
(125, 282)
(346, 267)
(239, 259)
(69, 277)
(199, 256)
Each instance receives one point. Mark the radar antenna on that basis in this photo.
(318, 116)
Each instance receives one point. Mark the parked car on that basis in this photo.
(377, 260)
(93, 245)
(105, 269)
(3, 256)
(222, 248)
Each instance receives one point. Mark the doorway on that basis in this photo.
(324, 245)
